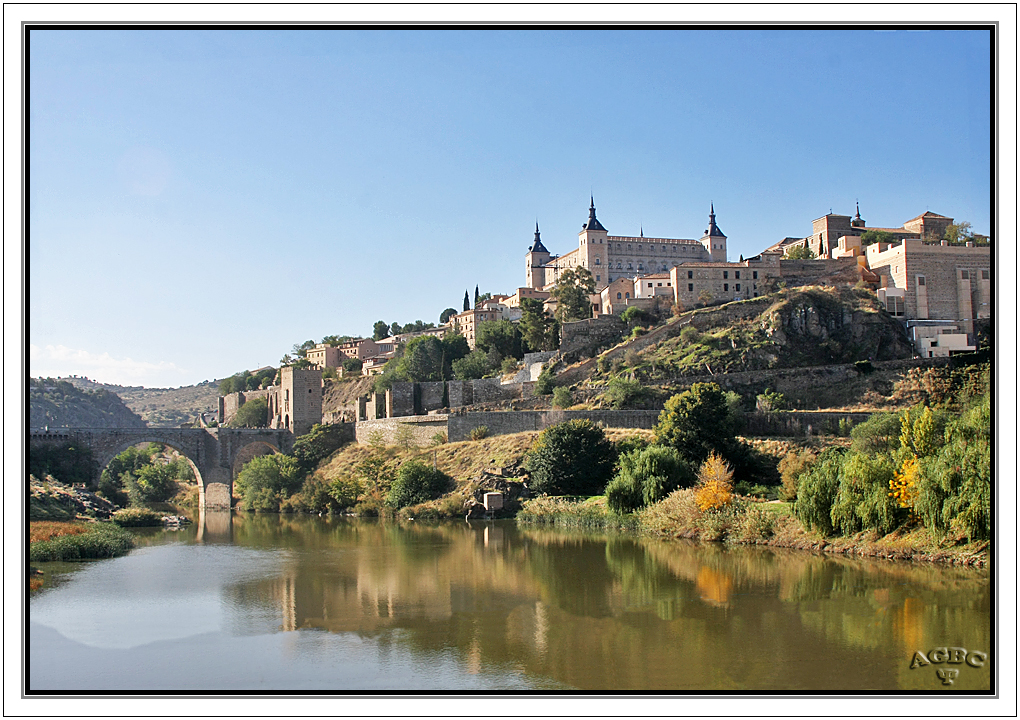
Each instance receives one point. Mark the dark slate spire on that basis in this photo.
(857, 221)
(538, 246)
(713, 229)
(593, 222)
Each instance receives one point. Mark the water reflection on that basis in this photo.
(602, 612)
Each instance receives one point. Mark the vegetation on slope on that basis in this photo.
(58, 403)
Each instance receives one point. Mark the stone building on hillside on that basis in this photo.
(610, 257)
(834, 236)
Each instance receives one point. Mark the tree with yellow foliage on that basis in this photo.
(714, 490)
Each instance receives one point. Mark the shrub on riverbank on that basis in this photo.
(589, 514)
(100, 540)
(137, 517)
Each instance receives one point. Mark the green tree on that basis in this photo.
(958, 233)
(879, 433)
(67, 462)
(227, 385)
(800, 252)
(770, 401)
(647, 476)
(423, 360)
(502, 336)
(346, 492)
(870, 237)
(696, 422)
(562, 397)
(473, 366)
(467, 301)
(862, 501)
(538, 328)
(253, 414)
(416, 483)
(817, 490)
(152, 483)
(380, 330)
(268, 480)
(317, 445)
(634, 316)
(571, 458)
(395, 328)
(622, 392)
(477, 296)
(573, 287)
(302, 349)
(444, 317)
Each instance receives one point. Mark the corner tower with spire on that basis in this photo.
(714, 240)
(535, 262)
(591, 248)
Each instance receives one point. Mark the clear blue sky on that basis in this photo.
(203, 200)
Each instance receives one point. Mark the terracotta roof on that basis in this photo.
(929, 214)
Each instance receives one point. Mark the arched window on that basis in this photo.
(598, 261)
(628, 295)
(619, 296)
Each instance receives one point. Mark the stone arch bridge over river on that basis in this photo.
(216, 454)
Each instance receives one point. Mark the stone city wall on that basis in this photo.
(587, 335)
(506, 423)
(423, 429)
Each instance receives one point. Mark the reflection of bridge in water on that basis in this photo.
(216, 454)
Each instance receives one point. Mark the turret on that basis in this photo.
(714, 240)
(534, 263)
(591, 248)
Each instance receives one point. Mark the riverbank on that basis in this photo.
(747, 522)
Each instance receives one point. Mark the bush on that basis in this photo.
(317, 445)
(791, 467)
(544, 384)
(690, 335)
(621, 392)
(268, 480)
(152, 483)
(253, 414)
(137, 517)
(647, 476)
(770, 401)
(879, 433)
(479, 433)
(562, 397)
(438, 438)
(864, 367)
(714, 490)
(571, 458)
(634, 315)
(416, 483)
(345, 492)
(103, 540)
(756, 524)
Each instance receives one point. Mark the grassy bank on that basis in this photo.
(56, 541)
(747, 522)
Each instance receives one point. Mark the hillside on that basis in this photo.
(802, 341)
(162, 407)
(58, 403)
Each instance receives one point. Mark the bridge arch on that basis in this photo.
(249, 451)
(112, 450)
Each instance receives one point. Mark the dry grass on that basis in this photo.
(42, 530)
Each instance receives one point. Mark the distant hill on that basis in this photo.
(162, 407)
(58, 403)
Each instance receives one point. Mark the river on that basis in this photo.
(241, 602)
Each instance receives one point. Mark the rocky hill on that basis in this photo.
(58, 403)
(162, 407)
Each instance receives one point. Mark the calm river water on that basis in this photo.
(284, 602)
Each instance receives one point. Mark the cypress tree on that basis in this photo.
(467, 301)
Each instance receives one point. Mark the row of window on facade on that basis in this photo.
(640, 248)
(726, 274)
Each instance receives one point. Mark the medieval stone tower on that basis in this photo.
(713, 239)
(296, 404)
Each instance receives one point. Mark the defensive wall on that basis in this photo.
(388, 430)
(232, 402)
(460, 425)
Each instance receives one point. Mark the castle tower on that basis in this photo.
(591, 248)
(534, 263)
(713, 239)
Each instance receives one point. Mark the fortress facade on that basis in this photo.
(609, 257)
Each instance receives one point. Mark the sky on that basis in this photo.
(200, 201)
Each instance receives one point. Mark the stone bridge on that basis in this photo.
(216, 454)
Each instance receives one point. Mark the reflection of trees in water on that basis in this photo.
(601, 611)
